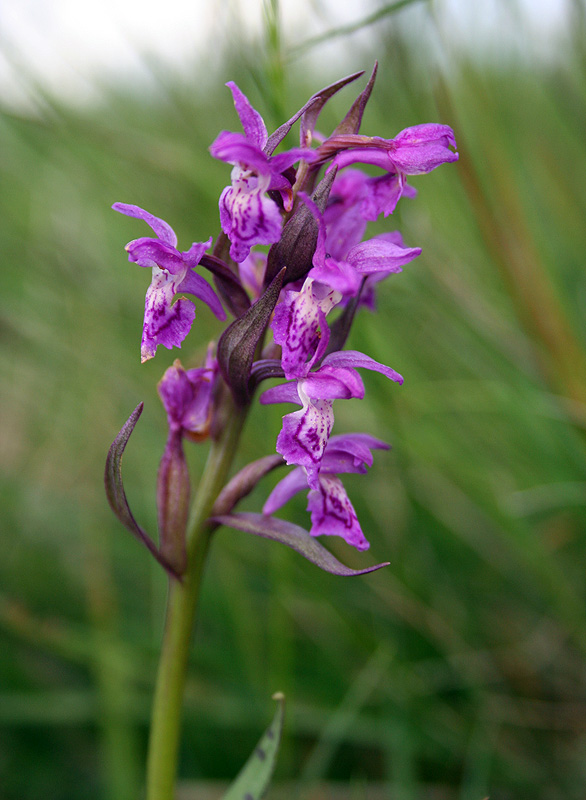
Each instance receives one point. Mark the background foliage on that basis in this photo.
(459, 670)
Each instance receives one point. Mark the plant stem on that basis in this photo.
(181, 611)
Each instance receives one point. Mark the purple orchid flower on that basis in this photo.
(414, 151)
(332, 512)
(247, 216)
(345, 275)
(305, 433)
(167, 322)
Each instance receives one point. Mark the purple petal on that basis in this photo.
(427, 132)
(162, 229)
(252, 122)
(283, 393)
(339, 275)
(364, 155)
(235, 148)
(382, 195)
(186, 396)
(193, 256)
(357, 443)
(294, 482)
(252, 273)
(176, 392)
(350, 453)
(332, 383)
(320, 250)
(198, 286)
(354, 359)
(283, 161)
(380, 255)
(344, 220)
(153, 253)
(422, 148)
(332, 513)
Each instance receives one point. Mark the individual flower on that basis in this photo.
(167, 322)
(414, 151)
(305, 433)
(247, 215)
(345, 274)
(332, 512)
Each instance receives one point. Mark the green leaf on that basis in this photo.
(253, 779)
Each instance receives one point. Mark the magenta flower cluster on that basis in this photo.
(306, 289)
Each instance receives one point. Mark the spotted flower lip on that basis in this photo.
(332, 512)
(305, 433)
(247, 216)
(167, 322)
(299, 326)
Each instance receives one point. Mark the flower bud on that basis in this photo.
(173, 503)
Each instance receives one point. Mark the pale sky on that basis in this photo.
(67, 44)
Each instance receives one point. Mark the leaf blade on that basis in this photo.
(253, 780)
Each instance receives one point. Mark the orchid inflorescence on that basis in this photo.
(318, 267)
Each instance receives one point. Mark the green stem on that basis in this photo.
(181, 611)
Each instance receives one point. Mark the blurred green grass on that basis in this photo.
(460, 668)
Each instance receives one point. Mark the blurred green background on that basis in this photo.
(458, 671)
